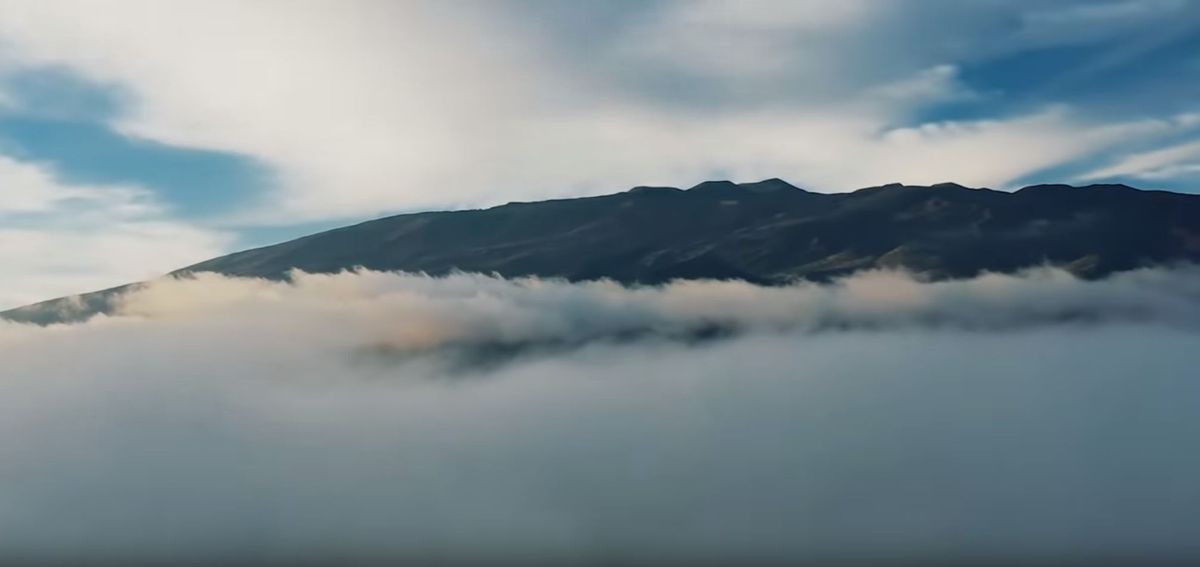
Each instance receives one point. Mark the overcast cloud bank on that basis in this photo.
(878, 417)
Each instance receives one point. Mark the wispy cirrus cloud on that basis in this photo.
(1154, 164)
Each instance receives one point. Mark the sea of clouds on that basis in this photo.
(369, 415)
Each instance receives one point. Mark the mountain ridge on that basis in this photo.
(767, 232)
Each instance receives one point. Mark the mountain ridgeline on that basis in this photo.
(768, 232)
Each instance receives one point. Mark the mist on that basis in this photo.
(374, 416)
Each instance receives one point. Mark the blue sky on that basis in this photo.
(137, 136)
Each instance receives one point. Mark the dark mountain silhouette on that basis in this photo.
(768, 232)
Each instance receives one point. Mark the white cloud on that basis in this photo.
(349, 416)
(747, 41)
(60, 259)
(353, 103)
(418, 312)
(58, 238)
(1164, 163)
(369, 106)
(30, 188)
(1022, 145)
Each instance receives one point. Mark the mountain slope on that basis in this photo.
(767, 232)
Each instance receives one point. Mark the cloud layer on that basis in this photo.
(874, 418)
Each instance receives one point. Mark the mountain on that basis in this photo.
(768, 232)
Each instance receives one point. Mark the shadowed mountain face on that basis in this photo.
(768, 232)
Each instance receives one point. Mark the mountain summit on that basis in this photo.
(769, 232)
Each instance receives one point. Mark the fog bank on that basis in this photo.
(879, 417)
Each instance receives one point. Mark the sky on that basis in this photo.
(139, 136)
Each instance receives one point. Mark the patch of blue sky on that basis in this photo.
(265, 235)
(1140, 77)
(58, 118)
(58, 93)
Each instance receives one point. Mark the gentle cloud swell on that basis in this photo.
(369, 415)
